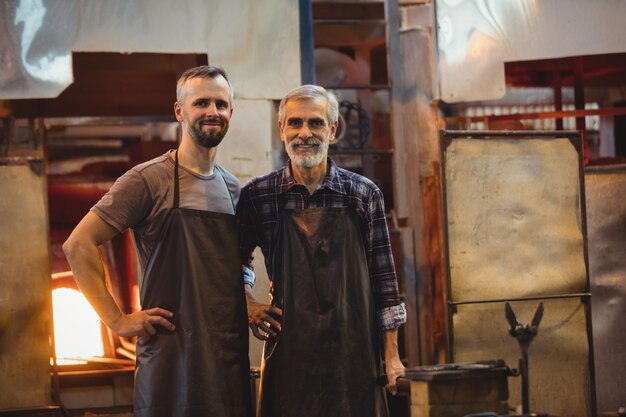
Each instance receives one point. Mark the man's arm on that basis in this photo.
(81, 250)
(390, 311)
(393, 365)
(263, 319)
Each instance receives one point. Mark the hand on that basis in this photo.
(264, 320)
(394, 370)
(141, 323)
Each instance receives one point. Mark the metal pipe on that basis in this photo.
(307, 57)
(539, 297)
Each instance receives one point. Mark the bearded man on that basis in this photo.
(335, 306)
(192, 337)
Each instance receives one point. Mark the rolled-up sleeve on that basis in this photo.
(248, 276)
(390, 318)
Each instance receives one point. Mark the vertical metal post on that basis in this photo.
(558, 96)
(523, 367)
(579, 99)
(307, 57)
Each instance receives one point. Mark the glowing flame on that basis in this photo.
(76, 327)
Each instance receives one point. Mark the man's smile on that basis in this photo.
(218, 123)
(311, 144)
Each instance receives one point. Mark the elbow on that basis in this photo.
(70, 246)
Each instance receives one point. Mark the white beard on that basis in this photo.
(307, 159)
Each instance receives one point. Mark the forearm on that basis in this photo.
(391, 346)
(249, 295)
(393, 365)
(88, 270)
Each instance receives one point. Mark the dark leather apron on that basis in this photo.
(202, 367)
(326, 361)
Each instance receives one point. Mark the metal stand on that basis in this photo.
(524, 335)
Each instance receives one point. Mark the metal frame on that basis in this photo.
(575, 137)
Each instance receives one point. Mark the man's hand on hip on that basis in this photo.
(141, 323)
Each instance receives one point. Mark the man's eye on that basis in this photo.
(221, 104)
(294, 123)
(316, 123)
(201, 103)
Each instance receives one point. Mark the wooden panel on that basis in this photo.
(25, 298)
(461, 391)
(458, 410)
(403, 247)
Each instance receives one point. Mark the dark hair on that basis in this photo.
(203, 71)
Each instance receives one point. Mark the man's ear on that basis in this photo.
(178, 111)
(333, 130)
(281, 131)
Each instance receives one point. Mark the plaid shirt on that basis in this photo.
(258, 212)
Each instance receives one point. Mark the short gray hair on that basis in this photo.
(203, 71)
(310, 92)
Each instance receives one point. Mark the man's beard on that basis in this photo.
(209, 139)
(309, 158)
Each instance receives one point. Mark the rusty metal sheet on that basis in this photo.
(513, 211)
(25, 295)
(606, 228)
(558, 356)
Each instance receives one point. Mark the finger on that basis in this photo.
(275, 310)
(393, 389)
(271, 323)
(149, 328)
(391, 384)
(256, 333)
(161, 322)
(143, 338)
(267, 328)
(158, 311)
(392, 378)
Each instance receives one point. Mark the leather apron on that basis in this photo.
(201, 368)
(326, 360)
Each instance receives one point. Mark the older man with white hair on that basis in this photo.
(334, 293)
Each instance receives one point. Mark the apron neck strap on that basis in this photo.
(176, 187)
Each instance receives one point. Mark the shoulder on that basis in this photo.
(232, 183)
(135, 194)
(264, 183)
(356, 184)
(230, 179)
(158, 165)
(156, 174)
(141, 176)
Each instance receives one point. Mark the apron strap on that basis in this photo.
(176, 192)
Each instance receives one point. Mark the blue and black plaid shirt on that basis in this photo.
(258, 211)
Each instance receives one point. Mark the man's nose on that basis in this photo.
(304, 132)
(211, 110)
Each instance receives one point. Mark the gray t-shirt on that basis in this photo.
(140, 198)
